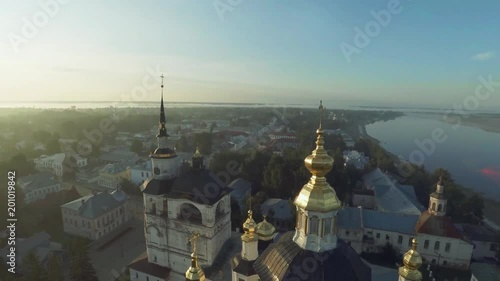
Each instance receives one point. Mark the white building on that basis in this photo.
(53, 164)
(141, 172)
(96, 215)
(113, 174)
(355, 158)
(441, 242)
(389, 196)
(177, 205)
(38, 186)
(485, 241)
(370, 230)
(39, 243)
(60, 163)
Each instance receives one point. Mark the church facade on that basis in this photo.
(178, 204)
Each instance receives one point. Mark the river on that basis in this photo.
(470, 154)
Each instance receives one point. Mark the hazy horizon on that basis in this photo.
(427, 54)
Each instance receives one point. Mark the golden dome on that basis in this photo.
(197, 154)
(249, 225)
(194, 272)
(412, 262)
(265, 230)
(317, 194)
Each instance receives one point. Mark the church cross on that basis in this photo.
(193, 239)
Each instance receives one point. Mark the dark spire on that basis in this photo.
(162, 130)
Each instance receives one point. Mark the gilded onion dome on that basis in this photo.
(317, 194)
(265, 230)
(197, 154)
(249, 225)
(412, 262)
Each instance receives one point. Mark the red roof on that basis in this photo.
(437, 225)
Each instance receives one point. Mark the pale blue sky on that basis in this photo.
(430, 53)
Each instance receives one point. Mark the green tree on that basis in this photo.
(229, 162)
(274, 174)
(54, 269)
(182, 144)
(253, 167)
(32, 269)
(473, 208)
(81, 267)
(129, 188)
(136, 146)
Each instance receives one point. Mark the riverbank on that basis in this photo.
(491, 210)
(486, 122)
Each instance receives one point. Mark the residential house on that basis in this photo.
(96, 215)
(370, 230)
(486, 241)
(53, 164)
(118, 156)
(113, 174)
(279, 212)
(141, 172)
(355, 158)
(38, 186)
(39, 244)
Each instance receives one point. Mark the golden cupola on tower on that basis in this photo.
(317, 194)
(249, 225)
(412, 262)
(265, 230)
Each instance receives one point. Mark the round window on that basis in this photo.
(156, 171)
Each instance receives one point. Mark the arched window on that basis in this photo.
(327, 226)
(190, 213)
(433, 206)
(440, 208)
(314, 225)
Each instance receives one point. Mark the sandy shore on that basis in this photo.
(486, 122)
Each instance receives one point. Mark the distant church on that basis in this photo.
(180, 204)
(185, 228)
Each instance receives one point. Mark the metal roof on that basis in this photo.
(37, 181)
(93, 206)
(357, 218)
(281, 259)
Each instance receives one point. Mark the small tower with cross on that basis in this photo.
(194, 272)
